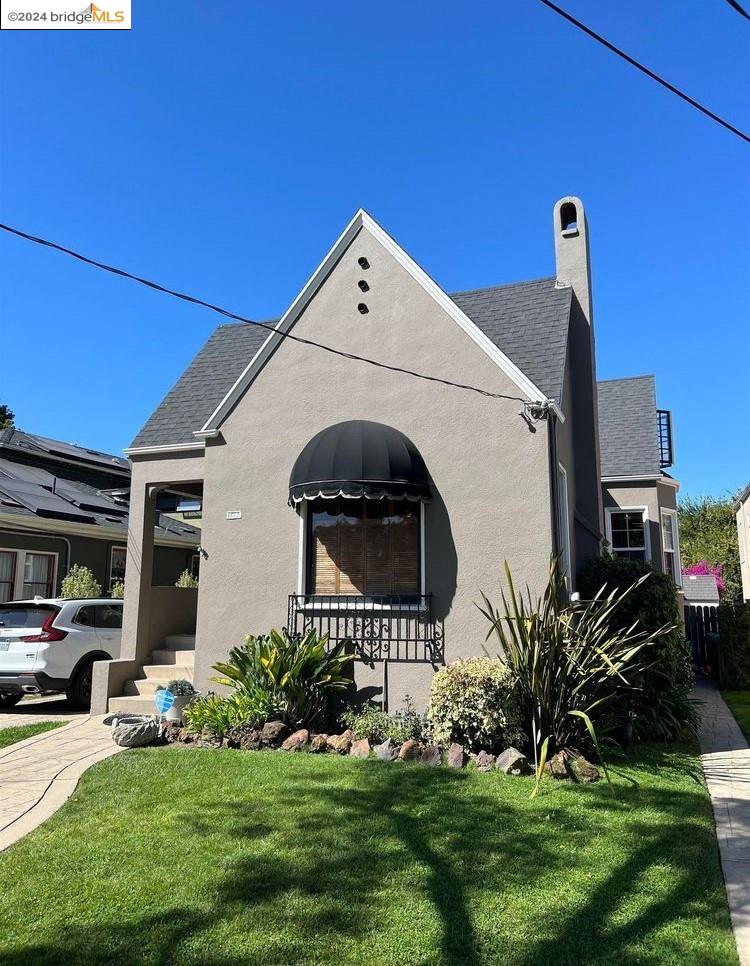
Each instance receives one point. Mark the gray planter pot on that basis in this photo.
(176, 712)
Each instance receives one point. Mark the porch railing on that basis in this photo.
(379, 628)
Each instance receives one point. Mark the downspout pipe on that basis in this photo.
(554, 483)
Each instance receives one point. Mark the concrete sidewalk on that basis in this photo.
(38, 775)
(725, 757)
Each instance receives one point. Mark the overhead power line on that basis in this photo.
(261, 325)
(646, 70)
(738, 8)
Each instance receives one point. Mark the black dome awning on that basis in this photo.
(359, 458)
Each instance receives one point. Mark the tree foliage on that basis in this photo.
(708, 532)
(7, 416)
(80, 583)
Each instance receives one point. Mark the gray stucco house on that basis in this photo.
(639, 496)
(62, 504)
(361, 499)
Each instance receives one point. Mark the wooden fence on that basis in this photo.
(699, 621)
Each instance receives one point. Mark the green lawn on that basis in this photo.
(227, 857)
(739, 705)
(9, 736)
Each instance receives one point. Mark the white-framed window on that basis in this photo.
(627, 532)
(360, 547)
(27, 573)
(563, 524)
(117, 560)
(670, 543)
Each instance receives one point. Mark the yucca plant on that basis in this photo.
(571, 661)
(297, 673)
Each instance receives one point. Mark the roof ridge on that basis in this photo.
(646, 375)
(494, 288)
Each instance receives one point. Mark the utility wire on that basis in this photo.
(738, 8)
(260, 325)
(646, 70)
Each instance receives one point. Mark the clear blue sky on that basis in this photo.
(220, 148)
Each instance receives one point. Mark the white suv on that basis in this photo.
(51, 645)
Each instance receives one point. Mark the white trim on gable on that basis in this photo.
(167, 448)
(363, 221)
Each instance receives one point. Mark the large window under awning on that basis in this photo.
(361, 485)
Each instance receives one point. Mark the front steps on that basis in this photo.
(176, 659)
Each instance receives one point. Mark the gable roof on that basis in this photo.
(527, 320)
(700, 589)
(501, 315)
(628, 428)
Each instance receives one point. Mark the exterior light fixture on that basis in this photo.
(363, 286)
(362, 308)
(362, 262)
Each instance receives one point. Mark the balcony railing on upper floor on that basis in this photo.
(666, 450)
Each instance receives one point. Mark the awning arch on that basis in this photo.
(359, 458)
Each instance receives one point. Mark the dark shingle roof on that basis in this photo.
(528, 321)
(628, 434)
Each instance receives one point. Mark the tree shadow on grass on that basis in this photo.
(407, 861)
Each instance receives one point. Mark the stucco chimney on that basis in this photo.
(572, 251)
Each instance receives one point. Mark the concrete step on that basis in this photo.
(132, 705)
(167, 657)
(141, 687)
(184, 642)
(168, 672)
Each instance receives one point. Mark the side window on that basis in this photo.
(85, 616)
(108, 616)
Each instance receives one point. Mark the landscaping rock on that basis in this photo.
(484, 761)
(456, 757)
(360, 749)
(136, 734)
(207, 739)
(185, 736)
(409, 750)
(583, 771)
(512, 762)
(251, 740)
(318, 743)
(273, 734)
(431, 756)
(296, 741)
(387, 751)
(171, 732)
(557, 766)
(341, 743)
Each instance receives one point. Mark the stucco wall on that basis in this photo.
(645, 494)
(743, 537)
(489, 472)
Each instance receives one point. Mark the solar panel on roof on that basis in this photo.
(42, 502)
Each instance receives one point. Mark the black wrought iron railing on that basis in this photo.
(666, 450)
(379, 628)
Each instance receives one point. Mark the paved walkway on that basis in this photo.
(726, 764)
(38, 775)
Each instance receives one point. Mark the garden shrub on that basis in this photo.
(662, 702)
(294, 676)
(220, 715)
(570, 662)
(186, 580)
(473, 702)
(372, 722)
(80, 583)
(118, 590)
(734, 646)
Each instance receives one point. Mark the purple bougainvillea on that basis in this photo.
(705, 568)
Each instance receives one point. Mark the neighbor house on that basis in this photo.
(361, 499)
(63, 504)
(742, 511)
(639, 497)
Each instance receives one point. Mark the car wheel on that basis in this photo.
(79, 692)
(9, 700)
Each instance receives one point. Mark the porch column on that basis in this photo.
(110, 676)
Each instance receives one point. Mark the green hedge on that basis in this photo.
(662, 703)
(734, 646)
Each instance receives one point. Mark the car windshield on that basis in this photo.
(25, 615)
